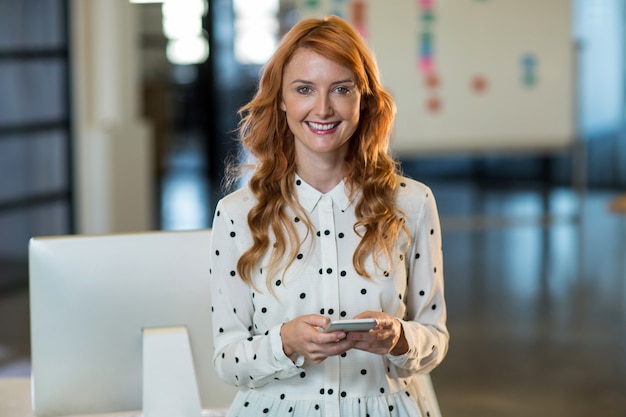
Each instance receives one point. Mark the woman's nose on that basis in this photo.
(323, 106)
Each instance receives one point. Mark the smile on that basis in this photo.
(322, 126)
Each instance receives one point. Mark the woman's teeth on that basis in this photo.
(322, 126)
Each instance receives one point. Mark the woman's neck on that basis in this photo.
(323, 179)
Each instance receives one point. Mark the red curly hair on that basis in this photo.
(370, 169)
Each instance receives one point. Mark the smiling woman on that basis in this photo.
(322, 104)
(326, 230)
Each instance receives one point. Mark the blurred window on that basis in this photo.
(256, 30)
(35, 146)
(599, 29)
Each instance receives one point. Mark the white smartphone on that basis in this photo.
(352, 325)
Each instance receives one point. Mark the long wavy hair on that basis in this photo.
(371, 171)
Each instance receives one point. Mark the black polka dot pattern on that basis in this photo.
(321, 279)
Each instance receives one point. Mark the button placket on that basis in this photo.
(330, 285)
(328, 247)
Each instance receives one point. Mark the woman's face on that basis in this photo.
(321, 102)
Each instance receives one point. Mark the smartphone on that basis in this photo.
(352, 325)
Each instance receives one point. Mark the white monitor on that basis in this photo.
(91, 297)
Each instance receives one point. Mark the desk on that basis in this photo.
(15, 402)
(15, 397)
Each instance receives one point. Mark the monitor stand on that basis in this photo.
(170, 387)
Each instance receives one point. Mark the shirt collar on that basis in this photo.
(309, 196)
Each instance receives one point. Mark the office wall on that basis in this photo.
(471, 75)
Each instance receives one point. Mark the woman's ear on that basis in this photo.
(282, 105)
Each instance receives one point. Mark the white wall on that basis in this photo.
(439, 109)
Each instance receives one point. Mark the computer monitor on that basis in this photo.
(91, 297)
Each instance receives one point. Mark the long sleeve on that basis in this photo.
(245, 354)
(424, 322)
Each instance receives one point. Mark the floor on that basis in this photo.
(536, 314)
(536, 303)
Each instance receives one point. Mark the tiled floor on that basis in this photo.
(537, 314)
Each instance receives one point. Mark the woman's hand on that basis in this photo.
(386, 338)
(301, 336)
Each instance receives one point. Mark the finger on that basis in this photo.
(375, 341)
(385, 324)
(359, 335)
(384, 334)
(316, 320)
(368, 315)
(331, 337)
(339, 347)
(385, 321)
(321, 352)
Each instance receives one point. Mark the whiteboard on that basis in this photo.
(470, 75)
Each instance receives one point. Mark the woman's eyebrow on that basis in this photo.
(346, 81)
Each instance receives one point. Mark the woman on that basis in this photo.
(326, 229)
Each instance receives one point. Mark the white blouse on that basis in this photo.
(322, 280)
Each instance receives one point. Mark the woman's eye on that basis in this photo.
(343, 90)
(303, 90)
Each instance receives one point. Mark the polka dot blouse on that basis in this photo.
(322, 280)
